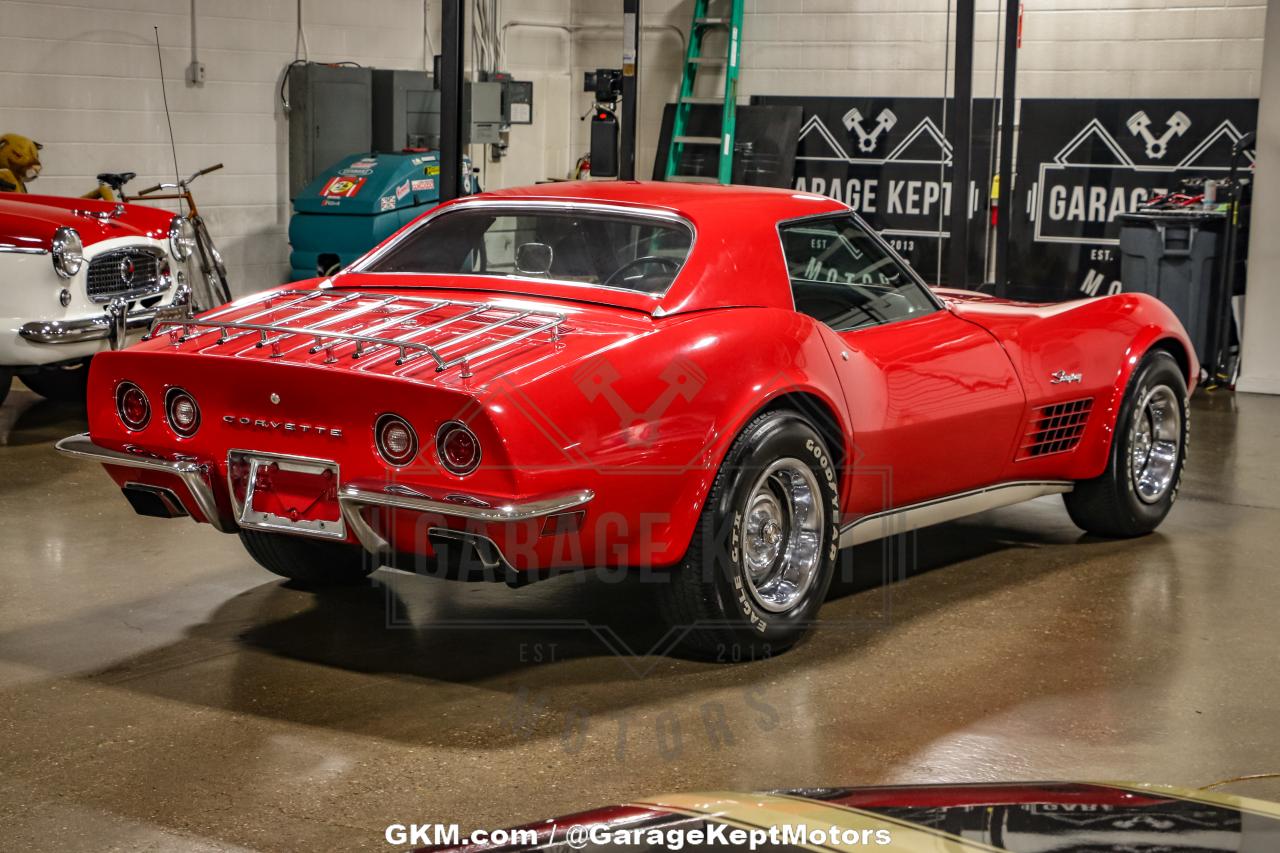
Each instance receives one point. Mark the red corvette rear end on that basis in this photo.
(336, 433)
(732, 383)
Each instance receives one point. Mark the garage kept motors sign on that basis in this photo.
(1081, 163)
(889, 159)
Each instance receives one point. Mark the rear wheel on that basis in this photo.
(1141, 481)
(762, 555)
(63, 384)
(308, 561)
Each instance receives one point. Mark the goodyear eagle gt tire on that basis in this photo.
(308, 561)
(763, 552)
(1144, 471)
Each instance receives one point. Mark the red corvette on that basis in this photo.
(727, 383)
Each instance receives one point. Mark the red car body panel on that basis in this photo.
(639, 397)
(30, 220)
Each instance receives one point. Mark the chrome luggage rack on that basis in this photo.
(362, 322)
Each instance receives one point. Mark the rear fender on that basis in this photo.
(646, 423)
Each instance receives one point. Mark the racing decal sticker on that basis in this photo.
(890, 160)
(423, 185)
(1082, 163)
(387, 202)
(402, 190)
(341, 186)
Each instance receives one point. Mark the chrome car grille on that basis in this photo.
(1056, 428)
(124, 272)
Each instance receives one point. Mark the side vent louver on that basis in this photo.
(1056, 428)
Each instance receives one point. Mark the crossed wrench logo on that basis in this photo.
(596, 378)
(867, 138)
(1139, 124)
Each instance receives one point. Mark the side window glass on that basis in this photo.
(842, 276)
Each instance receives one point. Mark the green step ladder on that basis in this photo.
(704, 22)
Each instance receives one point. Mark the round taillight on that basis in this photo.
(132, 405)
(396, 441)
(182, 412)
(458, 447)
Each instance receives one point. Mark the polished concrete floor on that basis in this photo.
(159, 691)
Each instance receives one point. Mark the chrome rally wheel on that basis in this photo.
(1140, 483)
(763, 553)
(1155, 443)
(782, 535)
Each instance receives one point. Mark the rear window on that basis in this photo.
(635, 253)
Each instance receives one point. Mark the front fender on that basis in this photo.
(1102, 340)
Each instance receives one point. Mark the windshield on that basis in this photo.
(637, 253)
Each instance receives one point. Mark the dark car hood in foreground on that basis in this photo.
(1029, 818)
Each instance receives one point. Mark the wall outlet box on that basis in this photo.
(195, 74)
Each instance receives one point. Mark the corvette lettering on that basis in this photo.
(284, 426)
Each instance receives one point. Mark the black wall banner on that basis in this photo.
(890, 160)
(1080, 163)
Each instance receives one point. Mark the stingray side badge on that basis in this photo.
(1061, 377)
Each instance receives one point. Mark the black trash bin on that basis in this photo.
(1174, 256)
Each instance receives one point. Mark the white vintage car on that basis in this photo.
(78, 276)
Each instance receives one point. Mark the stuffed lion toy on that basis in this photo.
(19, 162)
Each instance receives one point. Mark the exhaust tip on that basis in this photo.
(153, 501)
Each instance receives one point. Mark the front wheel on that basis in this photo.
(1141, 481)
(310, 562)
(60, 384)
(763, 553)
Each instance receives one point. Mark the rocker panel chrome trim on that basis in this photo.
(878, 525)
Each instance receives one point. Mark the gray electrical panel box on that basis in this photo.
(483, 106)
(406, 111)
(329, 118)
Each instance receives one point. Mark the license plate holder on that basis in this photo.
(286, 494)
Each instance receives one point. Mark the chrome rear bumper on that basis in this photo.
(194, 475)
(352, 498)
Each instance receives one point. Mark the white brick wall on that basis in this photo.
(1071, 48)
(80, 76)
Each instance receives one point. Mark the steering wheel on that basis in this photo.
(670, 263)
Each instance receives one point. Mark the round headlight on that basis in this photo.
(181, 241)
(132, 405)
(395, 439)
(182, 412)
(68, 252)
(458, 447)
